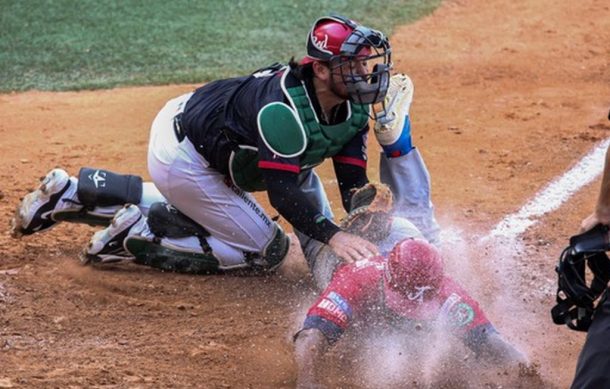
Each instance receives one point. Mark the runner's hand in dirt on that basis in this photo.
(352, 248)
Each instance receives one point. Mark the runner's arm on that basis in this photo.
(310, 346)
(602, 209)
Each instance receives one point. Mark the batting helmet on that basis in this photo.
(340, 41)
(414, 264)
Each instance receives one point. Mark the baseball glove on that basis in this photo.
(369, 216)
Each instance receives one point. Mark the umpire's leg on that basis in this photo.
(593, 367)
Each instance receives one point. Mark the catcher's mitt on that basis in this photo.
(369, 215)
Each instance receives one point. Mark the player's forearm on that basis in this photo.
(288, 199)
(603, 203)
(349, 177)
(310, 346)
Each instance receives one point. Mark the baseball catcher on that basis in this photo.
(208, 149)
(154, 225)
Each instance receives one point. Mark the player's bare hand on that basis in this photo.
(351, 248)
(600, 216)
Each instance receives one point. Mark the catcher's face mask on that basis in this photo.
(360, 56)
(578, 292)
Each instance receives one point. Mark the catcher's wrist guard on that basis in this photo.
(575, 296)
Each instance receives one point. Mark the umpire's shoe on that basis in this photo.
(106, 246)
(34, 213)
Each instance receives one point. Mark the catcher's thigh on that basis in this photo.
(206, 196)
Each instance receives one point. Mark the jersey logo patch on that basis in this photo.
(340, 301)
(455, 312)
(337, 307)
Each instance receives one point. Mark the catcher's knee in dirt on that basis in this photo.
(277, 250)
(165, 221)
(274, 252)
(101, 188)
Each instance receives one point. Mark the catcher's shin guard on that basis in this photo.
(165, 221)
(150, 252)
(101, 193)
(274, 253)
(102, 188)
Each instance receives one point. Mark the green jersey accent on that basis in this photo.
(295, 131)
(281, 130)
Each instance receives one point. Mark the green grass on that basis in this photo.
(90, 44)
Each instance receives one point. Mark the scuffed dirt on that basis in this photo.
(508, 96)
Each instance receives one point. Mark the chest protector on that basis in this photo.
(292, 131)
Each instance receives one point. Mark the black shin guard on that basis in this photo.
(155, 255)
(165, 221)
(103, 188)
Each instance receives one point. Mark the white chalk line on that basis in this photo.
(554, 195)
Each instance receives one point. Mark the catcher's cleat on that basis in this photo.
(34, 212)
(393, 126)
(106, 246)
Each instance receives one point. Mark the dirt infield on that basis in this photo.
(508, 95)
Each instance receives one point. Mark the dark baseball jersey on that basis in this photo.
(223, 114)
(231, 107)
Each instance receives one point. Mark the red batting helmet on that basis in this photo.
(414, 264)
(339, 41)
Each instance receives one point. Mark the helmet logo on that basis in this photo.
(320, 44)
(418, 295)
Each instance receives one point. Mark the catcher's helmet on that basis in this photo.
(414, 264)
(339, 41)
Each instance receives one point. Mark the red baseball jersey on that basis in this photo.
(359, 291)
